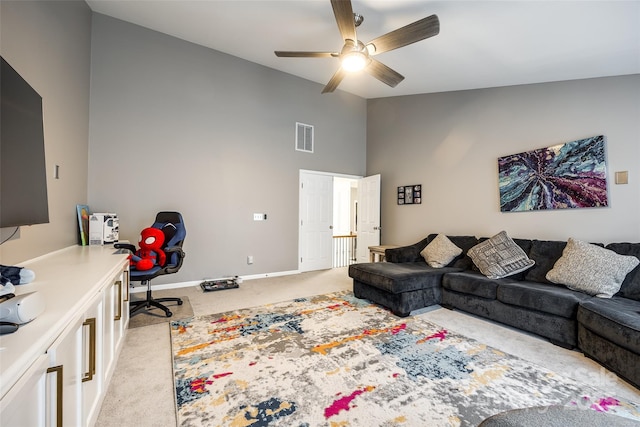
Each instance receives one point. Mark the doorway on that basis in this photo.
(339, 218)
(345, 221)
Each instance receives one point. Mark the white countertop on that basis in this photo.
(68, 279)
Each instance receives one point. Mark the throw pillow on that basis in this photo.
(440, 252)
(499, 257)
(591, 269)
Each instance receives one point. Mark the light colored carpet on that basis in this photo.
(338, 360)
(141, 391)
(152, 315)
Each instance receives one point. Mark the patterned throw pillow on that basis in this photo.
(499, 257)
(440, 251)
(591, 269)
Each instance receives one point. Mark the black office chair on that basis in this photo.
(174, 231)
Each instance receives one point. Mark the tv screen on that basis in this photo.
(23, 174)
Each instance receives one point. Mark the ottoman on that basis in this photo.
(556, 416)
(400, 287)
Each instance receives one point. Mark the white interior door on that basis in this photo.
(368, 216)
(316, 216)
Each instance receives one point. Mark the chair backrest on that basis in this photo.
(174, 231)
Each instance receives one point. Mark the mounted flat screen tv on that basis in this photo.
(23, 174)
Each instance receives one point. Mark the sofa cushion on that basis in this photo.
(541, 297)
(400, 277)
(471, 283)
(465, 243)
(631, 286)
(544, 253)
(409, 253)
(616, 319)
(525, 244)
(591, 269)
(499, 257)
(440, 251)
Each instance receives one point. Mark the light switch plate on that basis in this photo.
(622, 177)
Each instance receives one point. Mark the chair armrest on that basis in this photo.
(181, 254)
(175, 249)
(410, 253)
(127, 246)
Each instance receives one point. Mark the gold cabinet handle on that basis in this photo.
(118, 315)
(91, 323)
(59, 384)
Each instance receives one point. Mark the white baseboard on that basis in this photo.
(265, 275)
(140, 289)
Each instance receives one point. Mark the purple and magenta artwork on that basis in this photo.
(564, 176)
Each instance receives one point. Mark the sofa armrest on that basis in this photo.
(410, 253)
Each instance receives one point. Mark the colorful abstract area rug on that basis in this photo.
(335, 360)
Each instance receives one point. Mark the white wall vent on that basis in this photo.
(304, 137)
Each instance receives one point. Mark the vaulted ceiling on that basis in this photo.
(481, 43)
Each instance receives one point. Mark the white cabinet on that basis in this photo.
(65, 363)
(64, 386)
(55, 370)
(116, 315)
(92, 363)
(27, 405)
(109, 349)
(122, 313)
(49, 393)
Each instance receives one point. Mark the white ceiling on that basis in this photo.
(481, 43)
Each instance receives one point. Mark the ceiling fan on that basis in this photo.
(356, 55)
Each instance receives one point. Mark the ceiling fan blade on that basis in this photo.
(301, 54)
(383, 73)
(414, 32)
(335, 80)
(344, 17)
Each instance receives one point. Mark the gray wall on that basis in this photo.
(218, 133)
(176, 126)
(48, 43)
(450, 142)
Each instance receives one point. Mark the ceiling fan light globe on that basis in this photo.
(354, 61)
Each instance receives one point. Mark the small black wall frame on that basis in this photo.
(410, 194)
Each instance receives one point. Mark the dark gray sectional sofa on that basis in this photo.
(604, 329)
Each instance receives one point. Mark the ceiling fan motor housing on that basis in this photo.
(355, 55)
(357, 19)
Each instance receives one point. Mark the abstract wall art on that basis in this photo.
(564, 176)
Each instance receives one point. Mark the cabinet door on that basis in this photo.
(25, 404)
(109, 313)
(66, 364)
(116, 315)
(92, 363)
(121, 317)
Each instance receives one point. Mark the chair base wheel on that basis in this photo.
(139, 306)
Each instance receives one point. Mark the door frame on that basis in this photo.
(332, 174)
